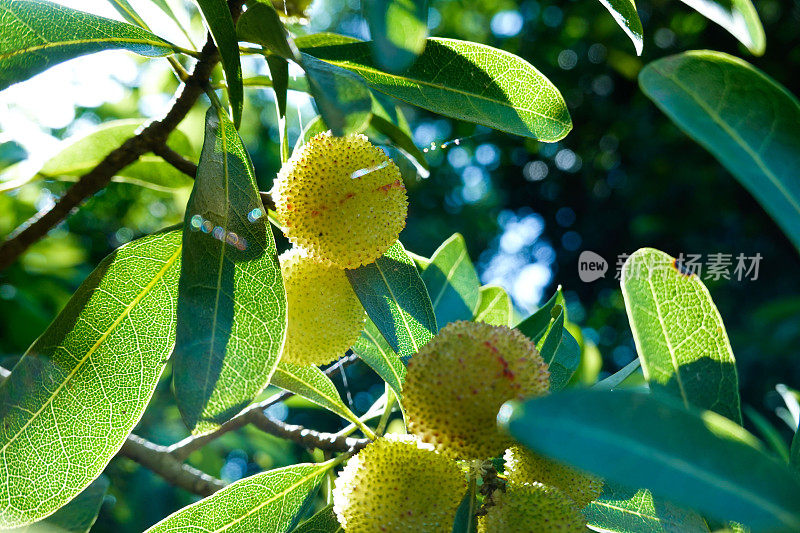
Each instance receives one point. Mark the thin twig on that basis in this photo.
(156, 458)
(182, 449)
(176, 160)
(307, 437)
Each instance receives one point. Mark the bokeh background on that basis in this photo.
(624, 178)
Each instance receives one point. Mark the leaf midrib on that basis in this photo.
(383, 354)
(448, 277)
(400, 309)
(58, 44)
(349, 415)
(736, 138)
(144, 292)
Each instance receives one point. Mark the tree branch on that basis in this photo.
(184, 448)
(151, 137)
(156, 458)
(307, 437)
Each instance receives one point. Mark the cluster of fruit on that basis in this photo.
(342, 204)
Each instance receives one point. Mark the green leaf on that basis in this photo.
(373, 349)
(82, 154)
(462, 80)
(679, 334)
(232, 304)
(690, 457)
(396, 300)
(315, 126)
(739, 17)
(260, 24)
(744, 118)
(768, 432)
(400, 138)
(270, 502)
(77, 516)
(537, 324)
(220, 23)
(124, 8)
(452, 282)
(625, 14)
(622, 510)
(312, 384)
(794, 452)
(618, 378)
(324, 521)
(560, 351)
(399, 29)
(494, 306)
(82, 386)
(343, 99)
(465, 521)
(34, 36)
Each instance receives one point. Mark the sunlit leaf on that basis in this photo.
(679, 334)
(232, 304)
(624, 12)
(270, 502)
(34, 36)
(560, 351)
(82, 386)
(342, 97)
(312, 384)
(220, 23)
(462, 80)
(398, 29)
(260, 24)
(396, 300)
(743, 117)
(739, 17)
(452, 282)
(621, 510)
(537, 324)
(694, 458)
(494, 306)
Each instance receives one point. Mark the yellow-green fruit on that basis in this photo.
(532, 508)
(325, 315)
(398, 485)
(523, 466)
(457, 382)
(341, 199)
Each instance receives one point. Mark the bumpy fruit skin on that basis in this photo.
(523, 466)
(325, 315)
(532, 508)
(457, 382)
(341, 199)
(398, 485)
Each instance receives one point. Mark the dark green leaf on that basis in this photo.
(82, 386)
(744, 118)
(622, 510)
(452, 282)
(494, 307)
(260, 24)
(220, 24)
(398, 29)
(232, 304)
(324, 521)
(794, 452)
(693, 458)
(768, 432)
(560, 351)
(739, 17)
(536, 325)
(466, 521)
(270, 502)
(315, 126)
(462, 80)
(34, 36)
(279, 75)
(77, 516)
(679, 334)
(624, 12)
(400, 138)
(342, 97)
(618, 378)
(373, 349)
(396, 300)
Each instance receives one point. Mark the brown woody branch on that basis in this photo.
(150, 138)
